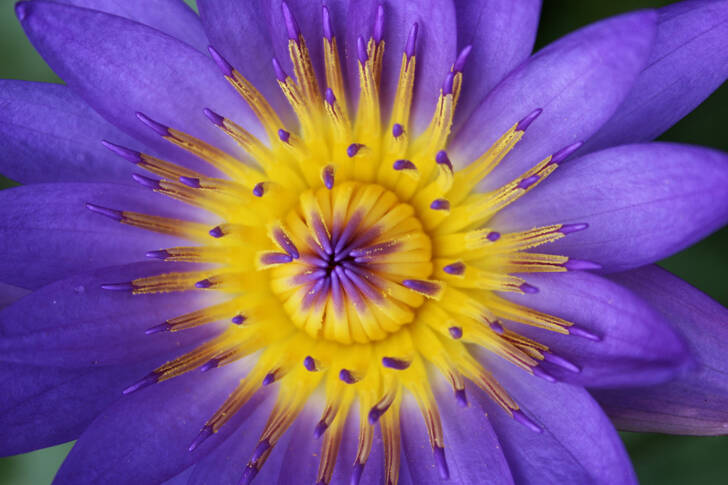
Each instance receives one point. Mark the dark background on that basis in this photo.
(658, 459)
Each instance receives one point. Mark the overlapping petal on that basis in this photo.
(144, 435)
(501, 33)
(10, 294)
(696, 402)
(47, 134)
(642, 203)
(120, 67)
(472, 448)
(436, 48)
(689, 61)
(75, 323)
(45, 406)
(173, 17)
(46, 232)
(637, 346)
(578, 444)
(578, 81)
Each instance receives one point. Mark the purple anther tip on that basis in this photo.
(569, 228)
(259, 189)
(347, 376)
(215, 118)
(284, 135)
(581, 265)
(125, 153)
(455, 268)
(374, 414)
(422, 286)
(146, 181)
(269, 379)
(158, 128)
(205, 433)
(203, 284)
(330, 97)
(530, 118)
(248, 474)
(496, 326)
(320, 429)
(580, 332)
(456, 332)
(276, 258)
(565, 152)
(209, 365)
(448, 83)
(326, 15)
(493, 236)
(193, 182)
(291, 26)
(403, 165)
(328, 177)
(521, 418)
(528, 289)
(528, 182)
(353, 149)
(145, 381)
(442, 159)
(361, 50)
(378, 34)
(310, 364)
(440, 205)
(262, 447)
(539, 372)
(104, 211)
(222, 63)
(561, 362)
(409, 49)
(238, 319)
(461, 397)
(280, 73)
(356, 473)
(127, 286)
(397, 130)
(159, 254)
(462, 57)
(216, 232)
(394, 363)
(441, 461)
(162, 327)
(21, 10)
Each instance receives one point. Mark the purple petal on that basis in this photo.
(76, 323)
(472, 449)
(45, 406)
(145, 435)
(240, 31)
(578, 81)
(135, 69)
(10, 294)
(47, 134)
(696, 402)
(435, 49)
(636, 344)
(173, 17)
(577, 445)
(47, 233)
(642, 203)
(501, 33)
(689, 61)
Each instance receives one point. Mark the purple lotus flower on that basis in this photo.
(386, 244)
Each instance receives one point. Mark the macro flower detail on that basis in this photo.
(345, 281)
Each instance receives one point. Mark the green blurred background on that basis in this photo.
(659, 459)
